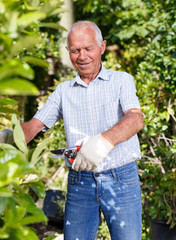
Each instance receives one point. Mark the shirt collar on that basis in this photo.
(101, 76)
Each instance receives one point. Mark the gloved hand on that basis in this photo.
(6, 136)
(92, 152)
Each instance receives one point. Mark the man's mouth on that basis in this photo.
(83, 64)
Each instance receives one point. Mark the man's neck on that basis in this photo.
(89, 77)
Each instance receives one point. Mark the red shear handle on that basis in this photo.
(71, 160)
(77, 148)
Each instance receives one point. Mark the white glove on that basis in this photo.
(6, 136)
(92, 152)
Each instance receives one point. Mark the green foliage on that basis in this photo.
(145, 227)
(160, 194)
(103, 231)
(7, 107)
(50, 238)
(122, 19)
(156, 77)
(24, 26)
(18, 176)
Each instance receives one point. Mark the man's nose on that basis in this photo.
(82, 54)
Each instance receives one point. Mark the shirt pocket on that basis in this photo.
(112, 113)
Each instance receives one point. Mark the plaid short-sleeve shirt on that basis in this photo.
(91, 109)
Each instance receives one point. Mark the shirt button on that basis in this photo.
(97, 174)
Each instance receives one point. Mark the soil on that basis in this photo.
(51, 229)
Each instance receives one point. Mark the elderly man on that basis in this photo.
(101, 111)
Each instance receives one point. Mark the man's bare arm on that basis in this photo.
(31, 128)
(131, 124)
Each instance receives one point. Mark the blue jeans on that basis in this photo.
(116, 193)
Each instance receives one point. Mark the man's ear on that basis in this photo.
(103, 47)
(66, 48)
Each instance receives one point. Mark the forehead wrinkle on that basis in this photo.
(81, 47)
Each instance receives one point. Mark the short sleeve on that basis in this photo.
(51, 111)
(128, 97)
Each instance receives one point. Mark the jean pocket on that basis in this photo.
(129, 177)
(73, 178)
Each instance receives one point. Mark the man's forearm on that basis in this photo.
(31, 128)
(131, 124)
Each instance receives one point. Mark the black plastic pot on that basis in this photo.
(53, 205)
(161, 231)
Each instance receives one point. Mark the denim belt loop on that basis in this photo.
(79, 175)
(114, 175)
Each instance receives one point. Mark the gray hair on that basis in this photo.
(85, 24)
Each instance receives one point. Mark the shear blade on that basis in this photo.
(58, 153)
(56, 156)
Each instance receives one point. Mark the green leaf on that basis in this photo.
(10, 25)
(17, 86)
(36, 214)
(38, 151)
(50, 238)
(8, 155)
(19, 137)
(58, 11)
(126, 34)
(7, 40)
(33, 219)
(21, 233)
(32, 4)
(26, 42)
(18, 68)
(15, 120)
(9, 173)
(12, 206)
(36, 61)
(21, 211)
(9, 218)
(52, 25)
(164, 127)
(30, 17)
(38, 188)
(29, 178)
(3, 204)
(26, 201)
(4, 234)
(141, 31)
(5, 192)
(8, 110)
(8, 101)
(50, 6)
(4, 146)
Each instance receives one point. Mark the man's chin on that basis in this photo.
(84, 67)
(84, 71)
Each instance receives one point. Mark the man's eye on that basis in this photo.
(74, 51)
(89, 49)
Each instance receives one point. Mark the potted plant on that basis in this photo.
(158, 182)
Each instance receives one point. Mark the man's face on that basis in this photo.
(85, 53)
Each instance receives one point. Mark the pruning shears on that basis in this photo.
(69, 153)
